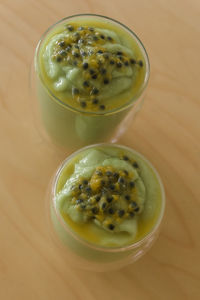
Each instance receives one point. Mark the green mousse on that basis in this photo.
(91, 67)
(109, 196)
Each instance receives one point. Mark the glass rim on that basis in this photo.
(82, 240)
(74, 109)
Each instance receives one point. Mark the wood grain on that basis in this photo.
(166, 131)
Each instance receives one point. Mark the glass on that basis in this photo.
(70, 127)
(82, 254)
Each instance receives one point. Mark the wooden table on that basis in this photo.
(166, 131)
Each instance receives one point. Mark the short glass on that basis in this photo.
(79, 253)
(71, 127)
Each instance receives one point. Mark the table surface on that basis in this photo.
(166, 131)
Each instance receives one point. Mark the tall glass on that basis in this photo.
(82, 254)
(71, 127)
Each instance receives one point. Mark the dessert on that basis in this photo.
(90, 70)
(107, 196)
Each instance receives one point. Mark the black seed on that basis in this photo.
(86, 83)
(126, 63)
(106, 81)
(75, 91)
(94, 91)
(136, 209)
(121, 58)
(109, 199)
(127, 197)
(112, 62)
(111, 211)
(95, 210)
(58, 58)
(95, 101)
(70, 27)
(68, 48)
(78, 201)
(109, 38)
(61, 43)
(119, 53)
(121, 180)
(100, 51)
(97, 198)
(112, 187)
(102, 107)
(80, 186)
(121, 212)
(91, 29)
(133, 204)
(135, 165)
(83, 53)
(119, 65)
(131, 214)
(125, 157)
(81, 28)
(85, 181)
(132, 61)
(116, 175)
(111, 226)
(94, 76)
(92, 71)
(75, 54)
(103, 205)
(109, 173)
(83, 104)
(131, 184)
(140, 63)
(102, 36)
(83, 206)
(85, 66)
(103, 71)
(95, 38)
(88, 189)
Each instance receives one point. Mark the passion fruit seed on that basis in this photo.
(61, 43)
(94, 91)
(85, 66)
(111, 211)
(106, 81)
(95, 101)
(102, 106)
(125, 157)
(83, 104)
(135, 165)
(111, 226)
(132, 61)
(131, 184)
(75, 91)
(109, 199)
(98, 197)
(70, 27)
(95, 210)
(78, 43)
(140, 63)
(86, 83)
(121, 212)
